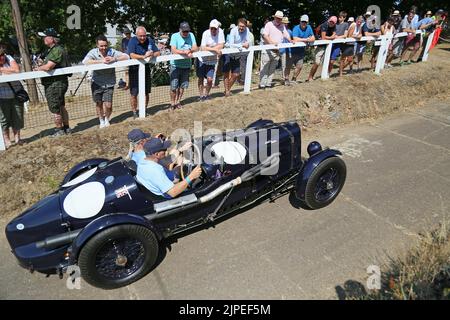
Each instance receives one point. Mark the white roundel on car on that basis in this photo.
(85, 201)
(231, 151)
(82, 177)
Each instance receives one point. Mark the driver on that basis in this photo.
(153, 176)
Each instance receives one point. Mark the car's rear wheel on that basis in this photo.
(325, 183)
(118, 256)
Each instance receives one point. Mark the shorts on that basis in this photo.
(134, 81)
(360, 47)
(54, 93)
(232, 64)
(297, 59)
(412, 44)
(205, 70)
(347, 50)
(335, 51)
(102, 93)
(11, 114)
(319, 54)
(179, 78)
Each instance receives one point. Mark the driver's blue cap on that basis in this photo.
(155, 145)
(136, 135)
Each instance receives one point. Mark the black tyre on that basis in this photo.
(118, 256)
(325, 183)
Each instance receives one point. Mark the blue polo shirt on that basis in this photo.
(134, 46)
(365, 29)
(181, 43)
(300, 33)
(423, 22)
(153, 176)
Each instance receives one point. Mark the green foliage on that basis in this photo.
(165, 16)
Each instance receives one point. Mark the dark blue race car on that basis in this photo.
(113, 228)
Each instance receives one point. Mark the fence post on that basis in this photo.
(141, 97)
(2, 142)
(382, 54)
(427, 47)
(326, 61)
(249, 71)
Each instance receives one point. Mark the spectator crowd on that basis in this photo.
(214, 39)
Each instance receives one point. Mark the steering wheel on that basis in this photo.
(197, 156)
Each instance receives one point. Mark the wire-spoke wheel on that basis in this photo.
(325, 183)
(118, 256)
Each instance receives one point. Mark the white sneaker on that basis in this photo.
(107, 124)
(102, 123)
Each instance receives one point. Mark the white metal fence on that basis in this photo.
(382, 41)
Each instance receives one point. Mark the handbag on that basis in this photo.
(21, 95)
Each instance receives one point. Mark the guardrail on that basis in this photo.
(383, 41)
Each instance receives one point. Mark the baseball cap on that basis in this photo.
(333, 19)
(396, 13)
(214, 24)
(351, 19)
(304, 18)
(49, 32)
(429, 13)
(368, 13)
(155, 144)
(279, 14)
(184, 26)
(136, 135)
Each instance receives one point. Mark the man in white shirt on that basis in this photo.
(213, 40)
(238, 38)
(103, 81)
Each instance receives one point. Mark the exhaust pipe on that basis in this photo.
(58, 241)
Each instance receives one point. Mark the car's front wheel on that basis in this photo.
(118, 256)
(325, 183)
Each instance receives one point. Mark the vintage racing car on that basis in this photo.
(102, 220)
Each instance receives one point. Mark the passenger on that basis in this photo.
(137, 139)
(171, 162)
(153, 176)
